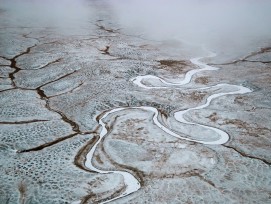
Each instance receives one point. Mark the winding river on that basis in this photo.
(131, 183)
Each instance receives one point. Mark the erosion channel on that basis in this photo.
(131, 183)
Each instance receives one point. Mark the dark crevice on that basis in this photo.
(246, 155)
(227, 63)
(53, 62)
(5, 65)
(244, 59)
(6, 58)
(14, 66)
(85, 200)
(202, 178)
(41, 147)
(107, 29)
(23, 122)
(89, 39)
(39, 88)
(116, 31)
(74, 125)
(28, 37)
(194, 173)
(80, 158)
(106, 50)
(186, 174)
(134, 171)
(41, 94)
(49, 144)
(139, 174)
(7, 90)
(264, 62)
(19, 88)
(17, 69)
(115, 59)
(106, 36)
(67, 91)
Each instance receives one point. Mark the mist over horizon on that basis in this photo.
(213, 23)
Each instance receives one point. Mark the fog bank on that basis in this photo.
(224, 26)
(215, 23)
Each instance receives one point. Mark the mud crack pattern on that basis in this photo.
(105, 116)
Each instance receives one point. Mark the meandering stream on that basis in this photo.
(132, 184)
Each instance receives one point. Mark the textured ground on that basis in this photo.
(53, 85)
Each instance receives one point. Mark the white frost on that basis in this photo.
(132, 184)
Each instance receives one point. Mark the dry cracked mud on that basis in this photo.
(55, 93)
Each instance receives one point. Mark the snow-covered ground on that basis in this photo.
(92, 112)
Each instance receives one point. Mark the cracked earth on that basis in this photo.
(56, 91)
